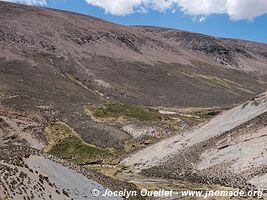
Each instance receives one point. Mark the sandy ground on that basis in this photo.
(16, 130)
(35, 189)
(42, 178)
(260, 182)
(79, 186)
(248, 150)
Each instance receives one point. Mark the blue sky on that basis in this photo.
(244, 19)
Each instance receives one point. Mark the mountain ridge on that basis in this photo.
(94, 93)
(89, 43)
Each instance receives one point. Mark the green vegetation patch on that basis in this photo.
(65, 143)
(118, 110)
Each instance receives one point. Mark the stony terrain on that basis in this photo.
(20, 130)
(229, 150)
(230, 53)
(54, 68)
(27, 173)
(119, 100)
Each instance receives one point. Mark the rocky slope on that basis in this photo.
(103, 55)
(27, 173)
(91, 91)
(54, 63)
(232, 53)
(230, 150)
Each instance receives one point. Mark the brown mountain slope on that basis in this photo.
(237, 54)
(54, 63)
(63, 77)
(147, 65)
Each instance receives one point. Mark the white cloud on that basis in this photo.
(116, 7)
(29, 2)
(124, 7)
(202, 19)
(236, 9)
(202, 7)
(199, 19)
(160, 5)
(246, 9)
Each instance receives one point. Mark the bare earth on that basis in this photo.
(242, 152)
(226, 121)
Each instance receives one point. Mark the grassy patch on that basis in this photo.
(118, 110)
(65, 143)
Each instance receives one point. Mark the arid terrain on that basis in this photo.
(230, 148)
(88, 104)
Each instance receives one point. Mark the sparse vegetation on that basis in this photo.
(102, 64)
(202, 113)
(65, 143)
(119, 110)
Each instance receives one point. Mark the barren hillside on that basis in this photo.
(58, 62)
(131, 64)
(230, 150)
(95, 93)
